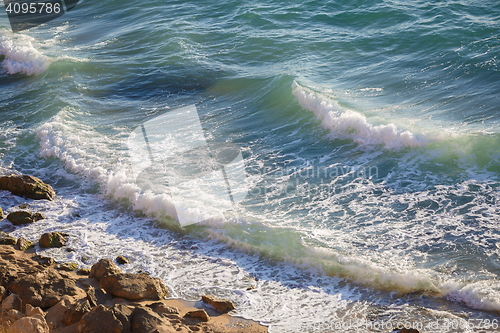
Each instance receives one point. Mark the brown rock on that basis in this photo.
(23, 244)
(22, 217)
(44, 261)
(6, 239)
(145, 320)
(121, 260)
(12, 302)
(134, 286)
(15, 314)
(44, 289)
(14, 264)
(198, 314)
(76, 311)
(52, 239)
(222, 305)
(29, 325)
(103, 268)
(109, 320)
(68, 266)
(1, 213)
(161, 308)
(31, 311)
(55, 314)
(97, 297)
(27, 186)
(2, 293)
(83, 271)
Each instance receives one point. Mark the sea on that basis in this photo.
(367, 135)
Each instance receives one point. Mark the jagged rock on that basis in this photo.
(27, 186)
(97, 296)
(31, 311)
(55, 314)
(145, 320)
(109, 320)
(14, 264)
(222, 305)
(44, 289)
(198, 314)
(161, 308)
(44, 261)
(12, 302)
(134, 286)
(76, 311)
(52, 239)
(6, 239)
(121, 260)
(104, 268)
(29, 325)
(23, 244)
(22, 217)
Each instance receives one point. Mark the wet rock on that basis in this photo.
(23, 217)
(52, 239)
(23, 244)
(68, 266)
(161, 308)
(29, 325)
(27, 186)
(121, 260)
(44, 261)
(109, 320)
(44, 289)
(12, 302)
(83, 271)
(6, 239)
(104, 268)
(76, 311)
(198, 314)
(221, 305)
(97, 296)
(134, 286)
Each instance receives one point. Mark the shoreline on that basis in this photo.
(39, 295)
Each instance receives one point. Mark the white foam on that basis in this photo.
(348, 124)
(21, 57)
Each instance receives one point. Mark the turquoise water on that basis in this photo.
(369, 130)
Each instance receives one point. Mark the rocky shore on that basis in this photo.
(39, 295)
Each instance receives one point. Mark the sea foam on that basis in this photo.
(348, 124)
(21, 57)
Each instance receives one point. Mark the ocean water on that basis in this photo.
(369, 130)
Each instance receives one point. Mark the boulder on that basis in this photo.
(44, 261)
(23, 244)
(14, 264)
(68, 266)
(134, 286)
(12, 302)
(23, 217)
(31, 311)
(27, 186)
(161, 308)
(44, 288)
(97, 296)
(145, 320)
(55, 314)
(104, 319)
(198, 314)
(6, 239)
(121, 260)
(83, 271)
(76, 311)
(104, 268)
(222, 305)
(52, 239)
(15, 314)
(29, 325)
